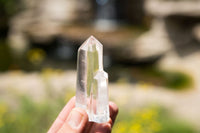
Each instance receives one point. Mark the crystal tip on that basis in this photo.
(92, 38)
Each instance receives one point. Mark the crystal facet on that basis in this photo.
(92, 81)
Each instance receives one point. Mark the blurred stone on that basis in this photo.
(40, 20)
(160, 8)
(172, 28)
(18, 44)
(152, 43)
(196, 31)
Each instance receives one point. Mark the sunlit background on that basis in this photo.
(151, 53)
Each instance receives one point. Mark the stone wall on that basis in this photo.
(174, 27)
(43, 19)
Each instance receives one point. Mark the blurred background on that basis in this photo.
(151, 53)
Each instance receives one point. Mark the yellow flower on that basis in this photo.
(36, 56)
(3, 110)
(149, 114)
(47, 72)
(136, 128)
(120, 127)
(144, 85)
(155, 126)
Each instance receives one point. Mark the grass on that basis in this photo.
(29, 118)
(33, 117)
(151, 119)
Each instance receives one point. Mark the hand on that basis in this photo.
(75, 120)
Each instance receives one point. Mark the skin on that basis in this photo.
(75, 120)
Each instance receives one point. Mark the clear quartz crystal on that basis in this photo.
(92, 81)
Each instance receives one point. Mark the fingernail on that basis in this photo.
(75, 118)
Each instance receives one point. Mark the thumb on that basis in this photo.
(76, 122)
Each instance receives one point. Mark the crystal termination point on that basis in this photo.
(92, 81)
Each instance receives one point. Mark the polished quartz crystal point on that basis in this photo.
(92, 81)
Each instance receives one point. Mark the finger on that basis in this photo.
(88, 127)
(62, 116)
(75, 122)
(106, 127)
(102, 127)
(113, 111)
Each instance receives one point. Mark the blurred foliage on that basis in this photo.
(5, 56)
(151, 74)
(152, 119)
(36, 56)
(176, 80)
(30, 117)
(31, 60)
(34, 117)
(9, 7)
(143, 121)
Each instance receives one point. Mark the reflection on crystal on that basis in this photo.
(92, 81)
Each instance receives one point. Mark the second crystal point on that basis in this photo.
(92, 81)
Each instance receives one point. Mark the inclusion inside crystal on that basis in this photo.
(92, 81)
